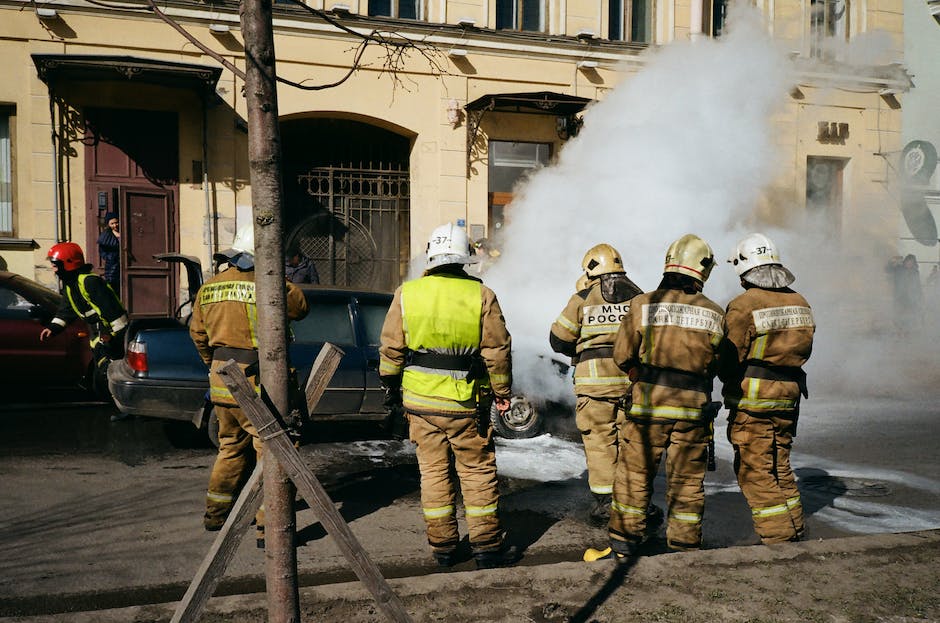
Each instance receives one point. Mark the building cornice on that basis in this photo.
(610, 55)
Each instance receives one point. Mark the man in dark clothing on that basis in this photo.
(109, 250)
(299, 269)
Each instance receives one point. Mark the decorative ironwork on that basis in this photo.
(357, 234)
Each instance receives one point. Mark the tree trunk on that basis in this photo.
(264, 155)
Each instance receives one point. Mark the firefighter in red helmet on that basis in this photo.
(89, 297)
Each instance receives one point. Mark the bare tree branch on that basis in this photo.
(396, 47)
(166, 18)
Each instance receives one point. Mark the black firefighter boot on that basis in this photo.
(503, 557)
(600, 512)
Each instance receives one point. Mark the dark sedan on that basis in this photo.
(63, 361)
(162, 375)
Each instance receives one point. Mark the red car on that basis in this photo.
(61, 361)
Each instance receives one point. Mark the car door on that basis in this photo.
(330, 320)
(370, 316)
(55, 361)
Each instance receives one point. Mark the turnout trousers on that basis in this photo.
(599, 421)
(451, 452)
(642, 445)
(239, 452)
(762, 465)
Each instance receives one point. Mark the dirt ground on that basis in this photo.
(886, 578)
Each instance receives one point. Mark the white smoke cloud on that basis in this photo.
(687, 146)
(684, 146)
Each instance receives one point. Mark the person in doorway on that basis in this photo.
(223, 327)
(444, 346)
(669, 342)
(771, 328)
(585, 331)
(299, 268)
(91, 298)
(109, 250)
(908, 294)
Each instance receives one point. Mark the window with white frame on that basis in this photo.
(401, 9)
(828, 22)
(630, 20)
(510, 161)
(520, 15)
(6, 171)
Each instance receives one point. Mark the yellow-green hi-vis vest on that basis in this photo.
(441, 314)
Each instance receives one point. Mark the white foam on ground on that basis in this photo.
(544, 458)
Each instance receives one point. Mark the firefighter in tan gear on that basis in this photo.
(771, 328)
(669, 342)
(223, 327)
(585, 331)
(444, 343)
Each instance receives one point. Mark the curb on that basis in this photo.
(590, 576)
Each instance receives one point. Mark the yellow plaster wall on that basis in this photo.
(416, 107)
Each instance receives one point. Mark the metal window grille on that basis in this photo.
(357, 232)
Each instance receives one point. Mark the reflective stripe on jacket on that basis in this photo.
(590, 322)
(90, 298)
(671, 330)
(225, 314)
(772, 332)
(449, 317)
(441, 315)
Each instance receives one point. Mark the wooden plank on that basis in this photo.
(278, 445)
(222, 551)
(324, 366)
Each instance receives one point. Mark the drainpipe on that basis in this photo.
(55, 165)
(695, 19)
(205, 180)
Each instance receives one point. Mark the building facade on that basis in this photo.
(110, 108)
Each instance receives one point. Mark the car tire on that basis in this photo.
(212, 428)
(522, 421)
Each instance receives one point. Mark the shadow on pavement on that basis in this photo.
(362, 494)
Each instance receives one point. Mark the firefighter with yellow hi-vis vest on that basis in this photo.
(669, 341)
(771, 327)
(89, 297)
(444, 345)
(585, 331)
(223, 327)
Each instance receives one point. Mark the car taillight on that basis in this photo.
(137, 356)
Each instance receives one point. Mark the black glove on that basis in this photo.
(392, 385)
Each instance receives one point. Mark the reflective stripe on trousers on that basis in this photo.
(445, 444)
(762, 466)
(641, 450)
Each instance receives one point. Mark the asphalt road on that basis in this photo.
(109, 513)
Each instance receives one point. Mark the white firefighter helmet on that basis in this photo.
(242, 252)
(600, 260)
(449, 244)
(757, 261)
(690, 255)
(245, 239)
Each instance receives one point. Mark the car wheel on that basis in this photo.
(212, 428)
(522, 421)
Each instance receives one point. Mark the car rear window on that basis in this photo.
(373, 317)
(326, 322)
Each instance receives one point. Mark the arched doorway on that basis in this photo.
(347, 196)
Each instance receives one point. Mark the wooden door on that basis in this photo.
(132, 169)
